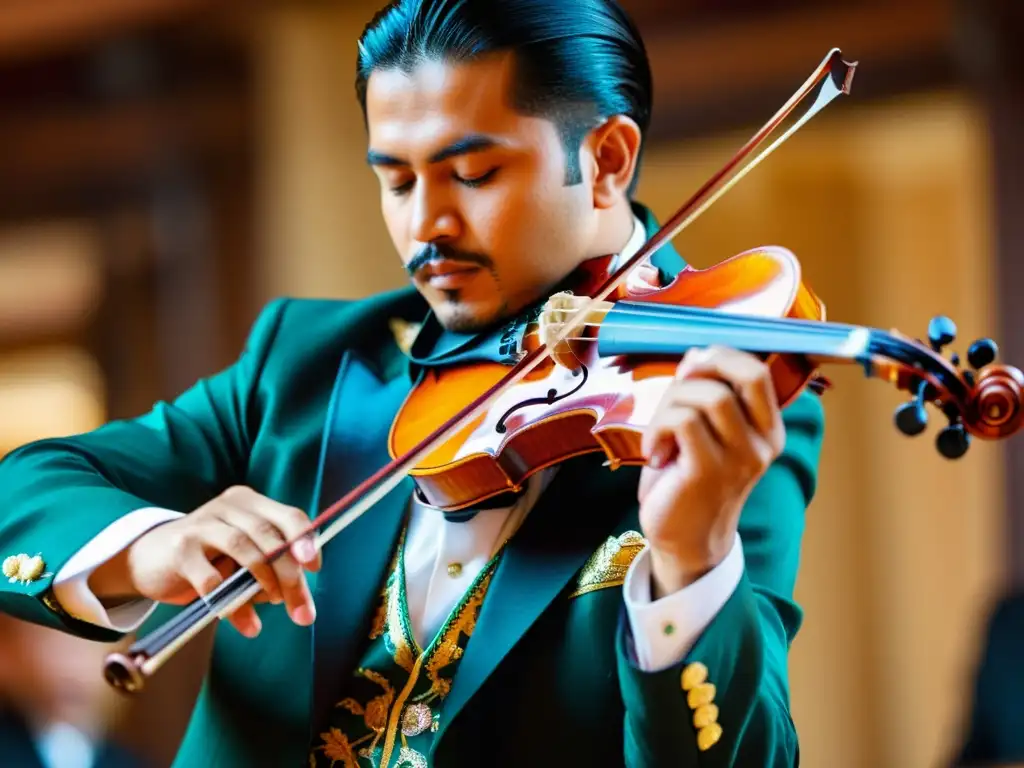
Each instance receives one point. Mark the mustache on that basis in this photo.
(440, 252)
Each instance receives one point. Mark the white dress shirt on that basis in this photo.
(663, 631)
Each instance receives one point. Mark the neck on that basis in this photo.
(614, 229)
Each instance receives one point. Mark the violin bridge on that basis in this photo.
(565, 316)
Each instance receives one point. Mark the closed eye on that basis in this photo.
(477, 181)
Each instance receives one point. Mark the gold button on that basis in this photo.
(455, 570)
(694, 675)
(708, 736)
(705, 715)
(700, 695)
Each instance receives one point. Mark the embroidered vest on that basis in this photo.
(390, 711)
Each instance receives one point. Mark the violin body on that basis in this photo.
(579, 401)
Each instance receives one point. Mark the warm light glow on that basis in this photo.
(50, 278)
(50, 392)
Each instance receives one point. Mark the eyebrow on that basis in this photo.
(464, 146)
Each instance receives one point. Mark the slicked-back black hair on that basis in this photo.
(577, 62)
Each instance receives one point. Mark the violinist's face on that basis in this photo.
(474, 193)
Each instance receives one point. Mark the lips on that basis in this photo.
(448, 274)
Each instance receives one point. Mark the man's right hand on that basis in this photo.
(178, 561)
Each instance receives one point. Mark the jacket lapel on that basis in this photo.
(355, 562)
(573, 517)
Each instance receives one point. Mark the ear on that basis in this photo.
(614, 151)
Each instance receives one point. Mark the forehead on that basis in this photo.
(438, 101)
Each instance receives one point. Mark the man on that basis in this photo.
(637, 617)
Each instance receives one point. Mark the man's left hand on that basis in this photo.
(714, 434)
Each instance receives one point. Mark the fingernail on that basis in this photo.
(305, 551)
(304, 615)
(252, 629)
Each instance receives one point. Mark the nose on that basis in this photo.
(433, 218)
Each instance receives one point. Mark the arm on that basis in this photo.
(724, 699)
(56, 496)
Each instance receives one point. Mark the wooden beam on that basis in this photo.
(32, 27)
(79, 151)
(709, 77)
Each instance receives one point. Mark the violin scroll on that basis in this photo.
(983, 402)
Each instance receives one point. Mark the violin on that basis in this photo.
(600, 385)
(597, 362)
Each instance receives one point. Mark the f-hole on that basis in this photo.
(551, 398)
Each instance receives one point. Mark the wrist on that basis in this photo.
(672, 571)
(112, 580)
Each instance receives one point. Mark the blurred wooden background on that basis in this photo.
(167, 166)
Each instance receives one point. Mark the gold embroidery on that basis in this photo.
(337, 749)
(22, 569)
(607, 567)
(397, 642)
(416, 719)
(381, 618)
(374, 714)
(410, 758)
(447, 650)
(445, 646)
(389, 717)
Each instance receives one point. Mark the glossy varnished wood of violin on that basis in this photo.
(601, 403)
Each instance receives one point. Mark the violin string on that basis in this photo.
(724, 342)
(726, 324)
(726, 327)
(720, 318)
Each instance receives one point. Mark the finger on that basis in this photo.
(233, 541)
(289, 574)
(290, 521)
(721, 407)
(198, 571)
(679, 430)
(748, 377)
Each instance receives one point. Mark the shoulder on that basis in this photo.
(296, 324)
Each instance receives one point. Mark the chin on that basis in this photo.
(468, 317)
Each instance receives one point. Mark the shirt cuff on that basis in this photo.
(664, 631)
(71, 584)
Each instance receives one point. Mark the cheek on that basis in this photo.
(395, 220)
(525, 218)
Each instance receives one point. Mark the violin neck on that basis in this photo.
(638, 328)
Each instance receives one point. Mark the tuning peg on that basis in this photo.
(911, 418)
(953, 441)
(981, 353)
(941, 332)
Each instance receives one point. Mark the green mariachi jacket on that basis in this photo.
(546, 679)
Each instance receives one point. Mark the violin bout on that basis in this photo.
(580, 400)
